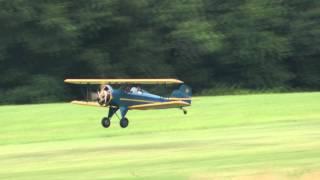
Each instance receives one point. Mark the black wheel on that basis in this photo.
(185, 112)
(105, 122)
(124, 122)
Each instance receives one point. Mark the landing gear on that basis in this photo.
(105, 122)
(124, 122)
(185, 112)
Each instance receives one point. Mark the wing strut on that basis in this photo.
(87, 92)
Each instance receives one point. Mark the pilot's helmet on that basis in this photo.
(106, 88)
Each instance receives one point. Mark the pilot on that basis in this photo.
(139, 90)
(136, 90)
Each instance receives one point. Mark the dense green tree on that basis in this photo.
(304, 38)
(252, 44)
(255, 45)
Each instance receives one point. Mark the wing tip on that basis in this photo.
(85, 103)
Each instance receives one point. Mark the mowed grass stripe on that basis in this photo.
(255, 134)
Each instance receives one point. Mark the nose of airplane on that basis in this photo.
(104, 97)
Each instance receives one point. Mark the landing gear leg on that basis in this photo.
(124, 122)
(106, 120)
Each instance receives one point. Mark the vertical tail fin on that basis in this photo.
(184, 91)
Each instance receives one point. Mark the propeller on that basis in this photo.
(104, 97)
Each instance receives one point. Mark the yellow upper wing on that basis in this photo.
(160, 105)
(123, 81)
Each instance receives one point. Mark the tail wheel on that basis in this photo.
(105, 122)
(124, 122)
(185, 112)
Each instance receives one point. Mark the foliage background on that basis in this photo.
(210, 44)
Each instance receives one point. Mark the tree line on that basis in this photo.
(249, 44)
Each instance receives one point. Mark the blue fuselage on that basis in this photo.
(122, 98)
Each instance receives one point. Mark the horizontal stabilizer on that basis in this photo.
(179, 99)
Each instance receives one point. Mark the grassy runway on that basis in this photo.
(228, 137)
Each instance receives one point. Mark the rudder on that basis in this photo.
(184, 91)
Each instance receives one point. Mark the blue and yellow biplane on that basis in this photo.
(133, 97)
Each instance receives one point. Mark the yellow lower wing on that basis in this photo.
(160, 105)
(85, 103)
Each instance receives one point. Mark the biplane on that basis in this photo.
(132, 97)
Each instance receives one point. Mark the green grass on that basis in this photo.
(225, 137)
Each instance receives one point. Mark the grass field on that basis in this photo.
(228, 137)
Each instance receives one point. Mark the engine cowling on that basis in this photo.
(105, 95)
